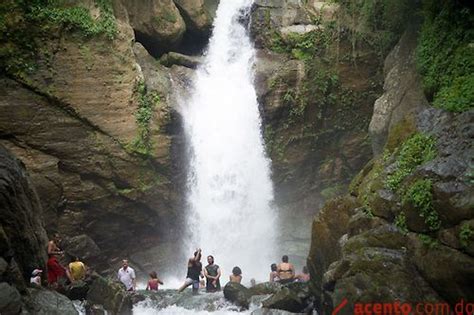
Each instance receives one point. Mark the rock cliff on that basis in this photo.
(405, 230)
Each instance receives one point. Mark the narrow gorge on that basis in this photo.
(338, 133)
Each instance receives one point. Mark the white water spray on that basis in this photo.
(230, 192)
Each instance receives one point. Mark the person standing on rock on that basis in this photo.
(77, 269)
(286, 271)
(126, 275)
(194, 272)
(53, 245)
(57, 274)
(212, 272)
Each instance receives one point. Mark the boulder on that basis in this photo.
(293, 297)
(450, 272)
(110, 294)
(237, 294)
(45, 302)
(10, 300)
(81, 246)
(173, 58)
(265, 288)
(198, 19)
(77, 290)
(158, 25)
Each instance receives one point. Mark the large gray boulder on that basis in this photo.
(237, 294)
(157, 24)
(22, 236)
(10, 299)
(293, 297)
(110, 294)
(403, 93)
(45, 302)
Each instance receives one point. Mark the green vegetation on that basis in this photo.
(24, 24)
(420, 196)
(332, 191)
(466, 234)
(401, 222)
(303, 46)
(165, 18)
(428, 241)
(76, 18)
(415, 151)
(445, 54)
(147, 101)
(375, 23)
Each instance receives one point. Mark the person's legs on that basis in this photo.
(186, 284)
(195, 286)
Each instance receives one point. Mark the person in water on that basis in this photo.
(274, 273)
(194, 272)
(303, 277)
(286, 271)
(154, 282)
(236, 275)
(126, 275)
(212, 273)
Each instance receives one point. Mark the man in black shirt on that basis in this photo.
(194, 272)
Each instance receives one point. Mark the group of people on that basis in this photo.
(59, 275)
(197, 276)
(283, 273)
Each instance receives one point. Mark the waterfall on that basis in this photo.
(230, 194)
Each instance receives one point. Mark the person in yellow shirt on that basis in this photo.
(77, 270)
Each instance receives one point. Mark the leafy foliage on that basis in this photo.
(415, 151)
(147, 102)
(376, 23)
(24, 23)
(401, 222)
(420, 196)
(445, 56)
(466, 234)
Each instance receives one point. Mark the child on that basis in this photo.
(236, 275)
(154, 282)
(36, 277)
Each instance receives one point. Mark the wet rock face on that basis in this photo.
(42, 301)
(403, 92)
(404, 228)
(22, 235)
(74, 124)
(316, 144)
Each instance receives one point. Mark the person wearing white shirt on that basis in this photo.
(126, 275)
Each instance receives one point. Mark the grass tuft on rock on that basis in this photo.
(415, 151)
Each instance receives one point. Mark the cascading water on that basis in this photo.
(230, 192)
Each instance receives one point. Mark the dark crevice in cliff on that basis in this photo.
(192, 44)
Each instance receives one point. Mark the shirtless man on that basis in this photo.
(286, 271)
(53, 248)
(194, 272)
